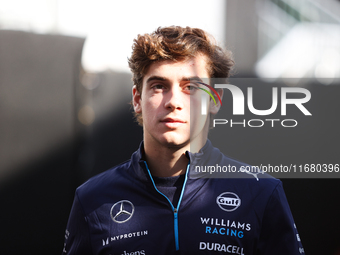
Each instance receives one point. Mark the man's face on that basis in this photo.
(168, 93)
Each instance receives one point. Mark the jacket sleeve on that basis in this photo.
(77, 236)
(279, 235)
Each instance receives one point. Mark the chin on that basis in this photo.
(175, 141)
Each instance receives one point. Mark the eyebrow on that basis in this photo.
(160, 78)
(194, 78)
(156, 78)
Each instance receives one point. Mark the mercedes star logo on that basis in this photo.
(122, 211)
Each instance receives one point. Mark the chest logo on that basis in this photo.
(122, 211)
(228, 201)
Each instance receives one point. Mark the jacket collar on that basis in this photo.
(206, 156)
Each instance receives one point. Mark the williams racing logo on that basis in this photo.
(228, 201)
(122, 211)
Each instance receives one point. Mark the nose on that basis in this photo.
(173, 99)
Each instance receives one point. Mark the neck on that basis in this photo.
(166, 161)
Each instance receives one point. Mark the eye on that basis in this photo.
(191, 88)
(158, 87)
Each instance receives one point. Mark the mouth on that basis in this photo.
(172, 122)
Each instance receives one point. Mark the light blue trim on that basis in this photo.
(175, 210)
(185, 182)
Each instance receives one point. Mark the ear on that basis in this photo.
(136, 100)
(214, 108)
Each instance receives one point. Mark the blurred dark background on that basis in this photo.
(61, 124)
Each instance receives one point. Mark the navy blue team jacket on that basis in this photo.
(122, 212)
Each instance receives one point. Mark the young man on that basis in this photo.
(157, 203)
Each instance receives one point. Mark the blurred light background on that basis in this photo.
(110, 26)
(65, 89)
